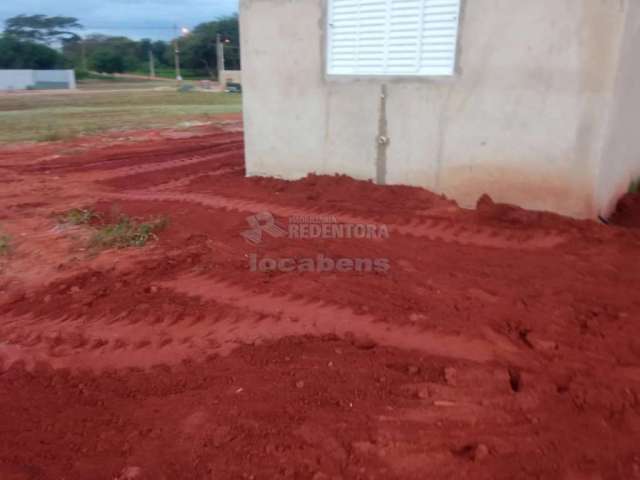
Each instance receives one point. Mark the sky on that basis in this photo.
(134, 18)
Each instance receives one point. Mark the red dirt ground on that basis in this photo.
(500, 343)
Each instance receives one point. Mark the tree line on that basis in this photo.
(43, 42)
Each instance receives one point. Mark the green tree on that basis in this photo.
(198, 49)
(162, 52)
(16, 53)
(143, 48)
(102, 50)
(106, 60)
(42, 28)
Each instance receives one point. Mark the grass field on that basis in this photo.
(55, 116)
(116, 83)
(171, 73)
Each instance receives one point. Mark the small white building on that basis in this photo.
(37, 79)
(535, 102)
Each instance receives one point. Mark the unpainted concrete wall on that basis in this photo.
(620, 161)
(63, 77)
(16, 79)
(524, 119)
(24, 79)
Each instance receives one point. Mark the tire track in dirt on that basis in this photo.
(137, 153)
(237, 317)
(90, 343)
(444, 230)
(124, 172)
(298, 317)
(173, 185)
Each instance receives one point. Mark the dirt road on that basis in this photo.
(439, 343)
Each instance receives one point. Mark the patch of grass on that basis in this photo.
(79, 216)
(5, 245)
(26, 117)
(111, 99)
(127, 232)
(165, 72)
(97, 83)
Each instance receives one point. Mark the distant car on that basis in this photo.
(233, 88)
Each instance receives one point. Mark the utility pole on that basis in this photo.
(219, 56)
(152, 65)
(176, 52)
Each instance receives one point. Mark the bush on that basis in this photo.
(82, 74)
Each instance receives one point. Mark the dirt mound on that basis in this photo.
(333, 194)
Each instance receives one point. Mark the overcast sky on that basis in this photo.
(133, 18)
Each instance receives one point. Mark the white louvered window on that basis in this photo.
(392, 37)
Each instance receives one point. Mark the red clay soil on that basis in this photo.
(499, 342)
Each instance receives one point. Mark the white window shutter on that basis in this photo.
(372, 27)
(439, 36)
(405, 24)
(392, 37)
(357, 35)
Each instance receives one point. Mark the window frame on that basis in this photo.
(450, 74)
